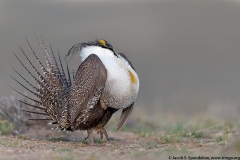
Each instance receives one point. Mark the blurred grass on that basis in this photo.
(201, 129)
(6, 127)
(12, 119)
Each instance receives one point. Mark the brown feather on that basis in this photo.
(85, 92)
(87, 86)
(126, 112)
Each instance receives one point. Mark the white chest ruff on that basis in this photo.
(119, 91)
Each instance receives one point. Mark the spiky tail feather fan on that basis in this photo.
(53, 85)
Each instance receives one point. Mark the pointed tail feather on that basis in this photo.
(61, 75)
(35, 112)
(25, 79)
(34, 78)
(38, 102)
(39, 119)
(34, 106)
(37, 95)
(53, 84)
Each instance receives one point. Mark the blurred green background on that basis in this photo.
(186, 52)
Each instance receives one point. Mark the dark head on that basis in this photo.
(101, 43)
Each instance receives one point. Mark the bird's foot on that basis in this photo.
(101, 131)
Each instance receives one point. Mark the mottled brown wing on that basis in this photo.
(126, 112)
(87, 86)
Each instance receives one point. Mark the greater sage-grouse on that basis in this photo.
(104, 83)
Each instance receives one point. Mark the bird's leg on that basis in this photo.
(101, 134)
(90, 136)
(101, 130)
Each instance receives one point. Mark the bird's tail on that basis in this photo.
(53, 84)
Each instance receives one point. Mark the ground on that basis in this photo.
(145, 136)
(208, 138)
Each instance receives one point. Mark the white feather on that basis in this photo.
(118, 82)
